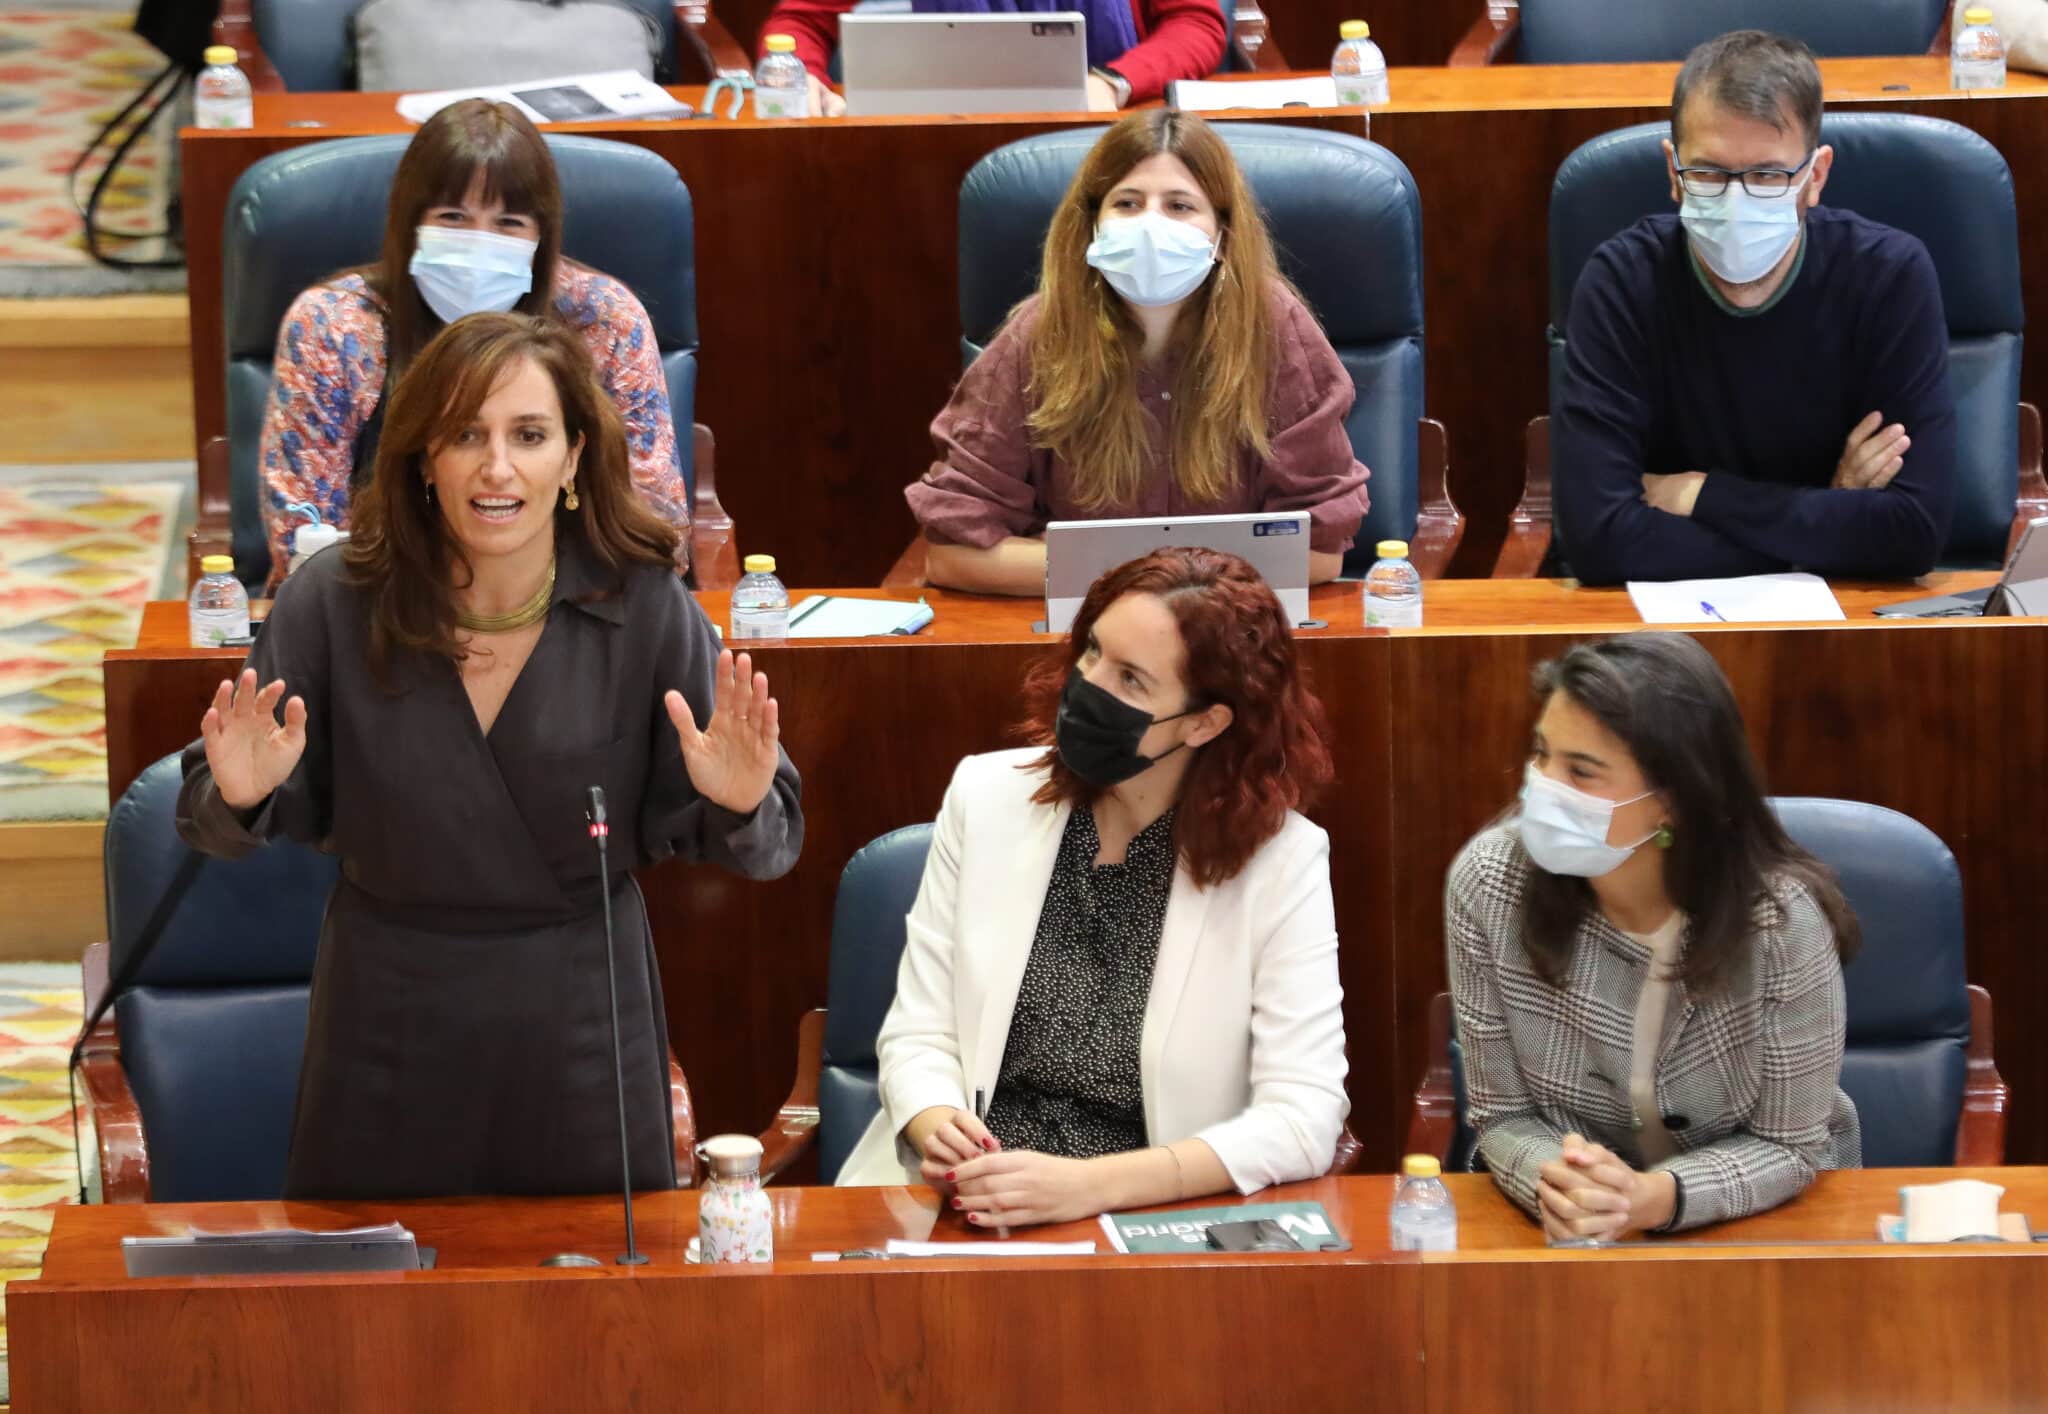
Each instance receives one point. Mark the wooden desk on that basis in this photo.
(1940, 720)
(1771, 1313)
(813, 236)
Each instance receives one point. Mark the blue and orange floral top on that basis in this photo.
(328, 377)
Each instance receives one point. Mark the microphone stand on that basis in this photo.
(601, 831)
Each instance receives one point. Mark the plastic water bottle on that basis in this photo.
(1423, 1218)
(1393, 589)
(781, 88)
(760, 605)
(218, 606)
(1358, 67)
(1977, 58)
(222, 98)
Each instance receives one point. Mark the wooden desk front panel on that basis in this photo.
(827, 265)
(1716, 1319)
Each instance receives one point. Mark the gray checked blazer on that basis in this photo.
(1747, 1081)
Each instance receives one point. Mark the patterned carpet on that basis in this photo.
(79, 557)
(40, 1012)
(63, 73)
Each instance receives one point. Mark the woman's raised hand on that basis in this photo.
(249, 753)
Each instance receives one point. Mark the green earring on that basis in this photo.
(1663, 838)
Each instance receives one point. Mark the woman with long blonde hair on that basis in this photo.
(1165, 367)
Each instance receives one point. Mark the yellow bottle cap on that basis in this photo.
(1393, 549)
(759, 564)
(779, 44)
(1354, 29)
(221, 54)
(1421, 1166)
(217, 564)
(1976, 15)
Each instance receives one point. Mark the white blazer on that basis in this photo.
(1243, 1044)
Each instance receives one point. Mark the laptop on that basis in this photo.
(1079, 552)
(996, 63)
(2021, 591)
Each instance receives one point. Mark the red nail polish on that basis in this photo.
(974, 1218)
(988, 1143)
(958, 1204)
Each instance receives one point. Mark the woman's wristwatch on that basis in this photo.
(1118, 84)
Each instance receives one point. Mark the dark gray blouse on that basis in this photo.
(1070, 1083)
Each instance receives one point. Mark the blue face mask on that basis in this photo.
(1152, 260)
(1742, 237)
(462, 272)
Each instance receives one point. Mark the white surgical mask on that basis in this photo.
(1150, 259)
(1565, 830)
(1741, 237)
(462, 272)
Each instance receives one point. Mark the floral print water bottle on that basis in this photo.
(735, 1222)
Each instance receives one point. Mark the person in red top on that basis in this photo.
(1135, 47)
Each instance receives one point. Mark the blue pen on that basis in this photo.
(1711, 611)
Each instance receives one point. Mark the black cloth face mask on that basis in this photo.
(1097, 734)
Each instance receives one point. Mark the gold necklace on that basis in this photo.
(525, 616)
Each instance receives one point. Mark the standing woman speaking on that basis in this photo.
(505, 630)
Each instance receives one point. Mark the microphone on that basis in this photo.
(600, 831)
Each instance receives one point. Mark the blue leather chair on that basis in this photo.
(838, 1075)
(193, 1081)
(298, 216)
(838, 1088)
(1347, 223)
(312, 47)
(1934, 179)
(1917, 1058)
(211, 1029)
(1649, 31)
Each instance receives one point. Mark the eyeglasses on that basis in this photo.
(1763, 182)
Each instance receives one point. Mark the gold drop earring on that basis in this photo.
(569, 497)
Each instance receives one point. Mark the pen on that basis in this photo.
(981, 1113)
(816, 603)
(1710, 611)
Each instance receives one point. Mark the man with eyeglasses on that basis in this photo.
(1758, 382)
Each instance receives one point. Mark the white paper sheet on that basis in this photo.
(837, 616)
(903, 1247)
(574, 98)
(1211, 95)
(1752, 599)
(1943, 1212)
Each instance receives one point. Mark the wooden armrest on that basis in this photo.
(1251, 40)
(908, 571)
(116, 1117)
(1943, 43)
(1433, 1120)
(235, 27)
(1528, 540)
(1980, 1134)
(682, 1111)
(1438, 525)
(796, 1123)
(714, 539)
(2033, 492)
(1487, 42)
(705, 48)
(213, 530)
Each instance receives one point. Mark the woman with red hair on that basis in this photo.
(1124, 941)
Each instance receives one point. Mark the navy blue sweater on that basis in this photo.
(1660, 378)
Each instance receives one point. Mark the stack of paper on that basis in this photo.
(1212, 95)
(1753, 599)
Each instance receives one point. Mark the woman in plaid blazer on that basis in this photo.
(1646, 971)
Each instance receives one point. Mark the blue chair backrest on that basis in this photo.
(875, 894)
(1909, 1002)
(1347, 223)
(1647, 31)
(298, 216)
(313, 50)
(214, 1026)
(1933, 179)
(1906, 1050)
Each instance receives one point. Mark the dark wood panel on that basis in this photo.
(1407, 31)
